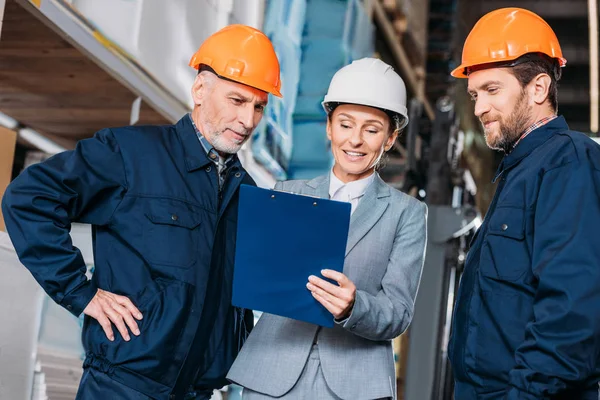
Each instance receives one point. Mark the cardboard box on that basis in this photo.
(8, 141)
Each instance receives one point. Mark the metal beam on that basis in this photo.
(414, 111)
(406, 69)
(31, 136)
(2, 5)
(417, 15)
(40, 141)
(430, 326)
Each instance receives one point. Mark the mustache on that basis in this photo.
(485, 120)
(243, 132)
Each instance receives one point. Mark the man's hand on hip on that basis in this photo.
(106, 307)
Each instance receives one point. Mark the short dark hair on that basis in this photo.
(531, 65)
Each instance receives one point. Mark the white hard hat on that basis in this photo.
(369, 82)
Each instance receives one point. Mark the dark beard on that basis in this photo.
(514, 126)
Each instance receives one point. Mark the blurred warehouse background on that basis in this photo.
(71, 67)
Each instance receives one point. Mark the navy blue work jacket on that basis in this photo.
(527, 319)
(163, 235)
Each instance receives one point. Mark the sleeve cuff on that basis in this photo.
(351, 321)
(343, 321)
(77, 300)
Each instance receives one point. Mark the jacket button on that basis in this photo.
(353, 326)
(174, 217)
(504, 227)
(238, 174)
(208, 169)
(69, 307)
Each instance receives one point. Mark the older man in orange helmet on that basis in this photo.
(527, 318)
(163, 202)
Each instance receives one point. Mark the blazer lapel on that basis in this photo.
(370, 209)
(320, 186)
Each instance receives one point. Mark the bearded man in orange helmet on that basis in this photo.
(527, 318)
(163, 203)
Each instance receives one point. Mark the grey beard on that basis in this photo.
(222, 146)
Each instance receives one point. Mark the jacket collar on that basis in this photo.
(531, 142)
(353, 190)
(369, 211)
(320, 185)
(378, 187)
(195, 154)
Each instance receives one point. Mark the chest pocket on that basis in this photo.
(171, 234)
(504, 253)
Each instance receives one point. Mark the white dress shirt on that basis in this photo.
(350, 192)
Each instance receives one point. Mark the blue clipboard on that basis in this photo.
(282, 239)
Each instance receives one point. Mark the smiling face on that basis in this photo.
(503, 106)
(226, 112)
(359, 136)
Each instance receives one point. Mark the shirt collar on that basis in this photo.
(533, 127)
(211, 152)
(535, 138)
(355, 189)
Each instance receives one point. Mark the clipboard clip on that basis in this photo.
(297, 194)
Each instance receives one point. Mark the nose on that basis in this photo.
(246, 116)
(355, 138)
(481, 107)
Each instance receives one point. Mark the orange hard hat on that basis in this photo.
(506, 34)
(242, 54)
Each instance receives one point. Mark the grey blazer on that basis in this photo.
(384, 259)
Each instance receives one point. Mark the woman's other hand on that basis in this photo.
(339, 300)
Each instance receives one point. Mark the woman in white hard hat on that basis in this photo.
(373, 300)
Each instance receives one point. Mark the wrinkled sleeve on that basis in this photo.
(84, 185)
(387, 314)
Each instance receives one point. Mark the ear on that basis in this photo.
(389, 143)
(328, 128)
(198, 89)
(540, 87)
